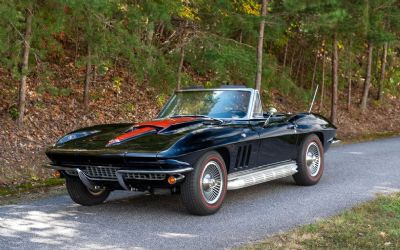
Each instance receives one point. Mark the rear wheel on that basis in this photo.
(80, 194)
(310, 161)
(204, 189)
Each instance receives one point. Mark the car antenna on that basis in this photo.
(313, 100)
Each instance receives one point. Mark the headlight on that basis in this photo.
(76, 135)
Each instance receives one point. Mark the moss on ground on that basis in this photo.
(27, 187)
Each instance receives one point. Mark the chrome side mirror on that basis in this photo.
(272, 111)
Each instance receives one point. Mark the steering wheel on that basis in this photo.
(239, 113)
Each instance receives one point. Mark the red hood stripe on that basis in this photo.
(166, 123)
(134, 133)
(146, 127)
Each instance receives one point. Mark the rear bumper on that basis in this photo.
(95, 176)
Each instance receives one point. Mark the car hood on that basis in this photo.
(149, 137)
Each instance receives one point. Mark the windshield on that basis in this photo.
(212, 103)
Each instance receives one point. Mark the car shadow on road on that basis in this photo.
(171, 204)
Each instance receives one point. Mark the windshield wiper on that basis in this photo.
(204, 116)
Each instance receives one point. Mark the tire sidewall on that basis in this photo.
(192, 189)
(80, 194)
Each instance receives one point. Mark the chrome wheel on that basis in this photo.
(313, 159)
(212, 182)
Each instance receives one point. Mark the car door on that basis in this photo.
(278, 142)
(277, 137)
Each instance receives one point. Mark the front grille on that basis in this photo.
(109, 173)
(100, 172)
(137, 176)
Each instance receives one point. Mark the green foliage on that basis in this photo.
(53, 90)
(13, 112)
(225, 61)
(128, 107)
(161, 99)
(220, 60)
(219, 38)
(117, 84)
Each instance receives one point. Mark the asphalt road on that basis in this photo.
(353, 174)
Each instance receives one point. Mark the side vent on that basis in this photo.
(243, 157)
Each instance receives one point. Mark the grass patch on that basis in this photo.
(372, 225)
(6, 191)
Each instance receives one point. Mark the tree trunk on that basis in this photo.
(335, 79)
(367, 81)
(314, 71)
(296, 77)
(321, 100)
(383, 70)
(292, 62)
(241, 36)
(24, 66)
(285, 55)
(349, 74)
(87, 79)
(349, 91)
(178, 83)
(94, 73)
(76, 43)
(260, 44)
(302, 74)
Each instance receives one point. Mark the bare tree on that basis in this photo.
(292, 62)
(87, 78)
(301, 58)
(285, 55)
(24, 66)
(260, 44)
(383, 70)
(349, 78)
(335, 79)
(321, 100)
(179, 78)
(367, 82)
(185, 37)
(314, 70)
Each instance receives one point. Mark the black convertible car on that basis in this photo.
(203, 143)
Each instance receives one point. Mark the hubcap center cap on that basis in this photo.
(208, 182)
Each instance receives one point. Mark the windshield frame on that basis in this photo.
(250, 107)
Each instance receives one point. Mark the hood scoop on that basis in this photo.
(145, 128)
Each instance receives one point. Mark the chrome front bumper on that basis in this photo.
(120, 175)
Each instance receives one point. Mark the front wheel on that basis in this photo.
(82, 195)
(205, 187)
(310, 161)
